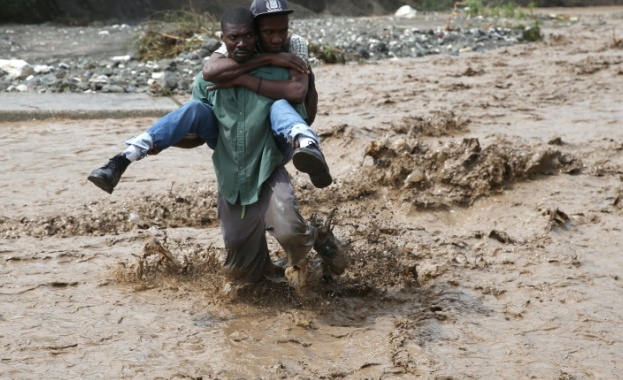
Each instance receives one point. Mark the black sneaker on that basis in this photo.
(310, 160)
(107, 177)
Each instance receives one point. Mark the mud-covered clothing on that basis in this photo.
(277, 212)
(255, 192)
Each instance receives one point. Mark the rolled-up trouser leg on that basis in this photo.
(286, 124)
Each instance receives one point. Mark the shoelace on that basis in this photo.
(112, 163)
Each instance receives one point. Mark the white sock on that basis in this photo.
(132, 153)
(305, 141)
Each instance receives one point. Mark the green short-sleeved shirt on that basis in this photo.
(246, 153)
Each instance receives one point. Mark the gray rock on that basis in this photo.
(367, 39)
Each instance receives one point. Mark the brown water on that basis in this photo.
(502, 263)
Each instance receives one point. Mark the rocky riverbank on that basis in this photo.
(51, 58)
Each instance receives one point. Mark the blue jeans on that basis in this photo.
(193, 117)
(198, 118)
(287, 124)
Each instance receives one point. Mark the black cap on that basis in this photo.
(266, 7)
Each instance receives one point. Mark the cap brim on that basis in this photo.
(274, 13)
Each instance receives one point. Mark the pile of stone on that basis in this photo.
(389, 38)
(353, 38)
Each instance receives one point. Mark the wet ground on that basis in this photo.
(479, 198)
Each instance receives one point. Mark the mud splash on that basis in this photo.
(457, 174)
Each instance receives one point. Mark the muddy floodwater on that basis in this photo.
(479, 198)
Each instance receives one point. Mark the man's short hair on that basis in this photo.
(237, 16)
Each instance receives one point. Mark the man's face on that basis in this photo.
(240, 41)
(273, 32)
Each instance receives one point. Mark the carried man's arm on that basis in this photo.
(220, 68)
(293, 90)
(226, 72)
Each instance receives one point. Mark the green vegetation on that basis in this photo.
(169, 33)
(487, 8)
(327, 54)
(509, 10)
(533, 33)
(435, 5)
(474, 7)
(531, 8)
(492, 8)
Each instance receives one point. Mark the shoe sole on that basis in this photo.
(315, 167)
(101, 183)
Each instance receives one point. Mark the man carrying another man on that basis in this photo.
(289, 129)
(196, 118)
(255, 194)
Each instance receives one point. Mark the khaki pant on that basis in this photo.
(244, 229)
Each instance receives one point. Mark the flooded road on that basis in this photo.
(500, 261)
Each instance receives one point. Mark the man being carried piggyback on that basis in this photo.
(194, 123)
(255, 195)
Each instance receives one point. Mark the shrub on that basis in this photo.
(169, 33)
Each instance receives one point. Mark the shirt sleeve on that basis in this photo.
(222, 50)
(298, 46)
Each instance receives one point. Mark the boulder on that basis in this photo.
(16, 68)
(406, 11)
